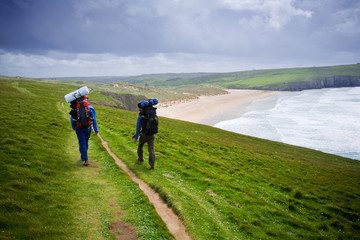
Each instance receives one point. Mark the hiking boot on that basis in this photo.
(141, 160)
(86, 163)
(152, 168)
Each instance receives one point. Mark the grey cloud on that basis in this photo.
(274, 14)
(262, 31)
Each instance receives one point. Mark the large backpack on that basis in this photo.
(80, 112)
(150, 122)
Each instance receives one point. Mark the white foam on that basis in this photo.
(327, 120)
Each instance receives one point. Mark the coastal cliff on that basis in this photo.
(316, 83)
(324, 82)
(290, 79)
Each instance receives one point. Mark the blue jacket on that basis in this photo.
(138, 128)
(94, 123)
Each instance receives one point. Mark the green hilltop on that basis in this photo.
(177, 86)
(290, 79)
(221, 184)
(286, 79)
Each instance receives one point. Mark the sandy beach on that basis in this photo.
(208, 109)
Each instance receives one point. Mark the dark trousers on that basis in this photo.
(150, 140)
(83, 135)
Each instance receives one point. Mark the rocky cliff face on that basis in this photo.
(324, 82)
(129, 101)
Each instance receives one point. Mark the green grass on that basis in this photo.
(229, 186)
(222, 185)
(45, 192)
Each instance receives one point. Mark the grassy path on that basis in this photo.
(119, 228)
(45, 191)
(174, 224)
(172, 221)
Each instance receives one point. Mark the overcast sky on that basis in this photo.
(59, 38)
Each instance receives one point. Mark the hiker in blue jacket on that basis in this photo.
(143, 138)
(83, 135)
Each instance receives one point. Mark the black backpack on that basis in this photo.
(81, 113)
(149, 120)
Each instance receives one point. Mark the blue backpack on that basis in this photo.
(149, 119)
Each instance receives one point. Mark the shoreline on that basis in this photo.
(210, 110)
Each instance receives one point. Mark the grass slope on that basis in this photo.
(229, 186)
(45, 192)
(223, 185)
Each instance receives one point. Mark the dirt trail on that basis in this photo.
(172, 221)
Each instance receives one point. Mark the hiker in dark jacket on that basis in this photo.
(83, 135)
(143, 138)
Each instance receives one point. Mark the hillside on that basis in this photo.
(291, 79)
(156, 80)
(126, 95)
(222, 185)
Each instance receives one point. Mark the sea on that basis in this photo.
(327, 120)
